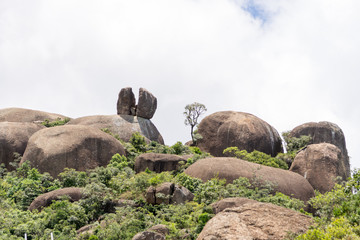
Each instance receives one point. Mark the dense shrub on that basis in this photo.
(57, 122)
(338, 214)
(256, 157)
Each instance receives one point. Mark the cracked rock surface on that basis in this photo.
(261, 221)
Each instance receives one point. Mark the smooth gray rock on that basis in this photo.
(126, 102)
(147, 104)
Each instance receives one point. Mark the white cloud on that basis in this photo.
(73, 57)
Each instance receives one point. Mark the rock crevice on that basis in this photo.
(126, 104)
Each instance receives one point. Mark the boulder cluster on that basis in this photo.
(84, 143)
(321, 164)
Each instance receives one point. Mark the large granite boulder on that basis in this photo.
(27, 115)
(286, 182)
(325, 132)
(126, 102)
(70, 146)
(147, 104)
(168, 193)
(255, 220)
(320, 164)
(237, 129)
(44, 200)
(14, 137)
(122, 125)
(158, 162)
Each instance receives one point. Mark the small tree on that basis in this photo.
(192, 114)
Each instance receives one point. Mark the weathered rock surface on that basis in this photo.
(286, 182)
(325, 132)
(168, 193)
(221, 205)
(158, 162)
(126, 102)
(160, 228)
(27, 115)
(14, 137)
(157, 232)
(237, 129)
(320, 164)
(148, 235)
(79, 147)
(122, 125)
(147, 104)
(44, 200)
(261, 221)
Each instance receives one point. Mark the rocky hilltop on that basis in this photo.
(123, 157)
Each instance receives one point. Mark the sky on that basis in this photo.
(287, 62)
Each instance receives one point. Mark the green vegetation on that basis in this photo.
(293, 146)
(337, 214)
(57, 122)
(256, 157)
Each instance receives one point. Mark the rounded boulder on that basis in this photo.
(284, 181)
(44, 200)
(27, 115)
(255, 220)
(158, 162)
(237, 129)
(70, 146)
(14, 137)
(122, 125)
(325, 132)
(320, 164)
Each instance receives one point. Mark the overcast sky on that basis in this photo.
(285, 61)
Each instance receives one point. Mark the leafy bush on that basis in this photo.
(339, 228)
(256, 157)
(294, 144)
(338, 214)
(25, 184)
(72, 178)
(138, 142)
(57, 122)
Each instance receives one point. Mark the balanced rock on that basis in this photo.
(284, 181)
(168, 193)
(158, 162)
(44, 200)
(14, 137)
(325, 132)
(27, 115)
(262, 221)
(237, 129)
(225, 203)
(320, 164)
(70, 146)
(126, 102)
(122, 125)
(147, 104)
